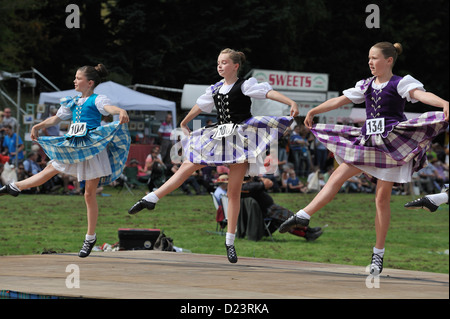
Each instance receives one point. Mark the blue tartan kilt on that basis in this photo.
(114, 137)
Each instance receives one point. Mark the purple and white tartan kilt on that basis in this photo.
(113, 137)
(408, 141)
(248, 143)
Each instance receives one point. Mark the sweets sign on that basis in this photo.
(299, 81)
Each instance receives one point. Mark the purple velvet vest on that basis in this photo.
(386, 103)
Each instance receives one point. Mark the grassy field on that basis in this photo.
(32, 224)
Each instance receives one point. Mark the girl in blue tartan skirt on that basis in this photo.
(93, 153)
(237, 139)
(388, 147)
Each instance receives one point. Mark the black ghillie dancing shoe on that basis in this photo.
(231, 254)
(140, 205)
(293, 222)
(7, 190)
(423, 202)
(87, 248)
(376, 267)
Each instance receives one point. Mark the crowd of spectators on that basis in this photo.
(17, 164)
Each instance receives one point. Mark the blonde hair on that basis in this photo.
(390, 50)
(237, 57)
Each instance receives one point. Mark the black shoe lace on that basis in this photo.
(231, 252)
(377, 260)
(86, 246)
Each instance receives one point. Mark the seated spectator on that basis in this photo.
(352, 185)
(294, 185)
(154, 164)
(222, 186)
(191, 181)
(31, 165)
(366, 184)
(285, 175)
(142, 175)
(428, 177)
(256, 188)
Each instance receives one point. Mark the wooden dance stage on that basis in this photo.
(149, 274)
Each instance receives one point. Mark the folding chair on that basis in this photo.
(222, 223)
(267, 223)
(129, 179)
(224, 199)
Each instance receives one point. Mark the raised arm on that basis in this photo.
(277, 96)
(113, 110)
(51, 121)
(430, 99)
(189, 117)
(326, 106)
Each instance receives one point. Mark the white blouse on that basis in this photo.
(250, 88)
(405, 85)
(64, 113)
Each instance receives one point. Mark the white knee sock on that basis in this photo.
(302, 214)
(151, 198)
(229, 239)
(90, 237)
(379, 252)
(438, 199)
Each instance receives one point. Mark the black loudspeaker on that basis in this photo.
(137, 239)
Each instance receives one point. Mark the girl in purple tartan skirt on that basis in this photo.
(228, 141)
(389, 147)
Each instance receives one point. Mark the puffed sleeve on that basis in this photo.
(100, 102)
(356, 94)
(256, 90)
(206, 102)
(64, 113)
(407, 84)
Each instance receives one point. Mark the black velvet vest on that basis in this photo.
(233, 107)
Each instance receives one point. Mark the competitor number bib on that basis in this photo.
(224, 130)
(77, 129)
(375, 126)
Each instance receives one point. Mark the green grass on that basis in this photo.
(32, 224)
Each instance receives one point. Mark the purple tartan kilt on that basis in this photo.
(408, 141)
(248, 143)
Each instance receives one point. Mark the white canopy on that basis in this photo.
(120, 96)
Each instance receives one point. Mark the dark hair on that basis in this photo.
(390, 50)
(95, 74)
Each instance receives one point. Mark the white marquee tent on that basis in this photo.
(120, 96)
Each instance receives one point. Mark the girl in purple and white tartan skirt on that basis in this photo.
(238, 139)
(93, 153)
(389, 147)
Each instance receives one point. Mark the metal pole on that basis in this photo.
(16, 161)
